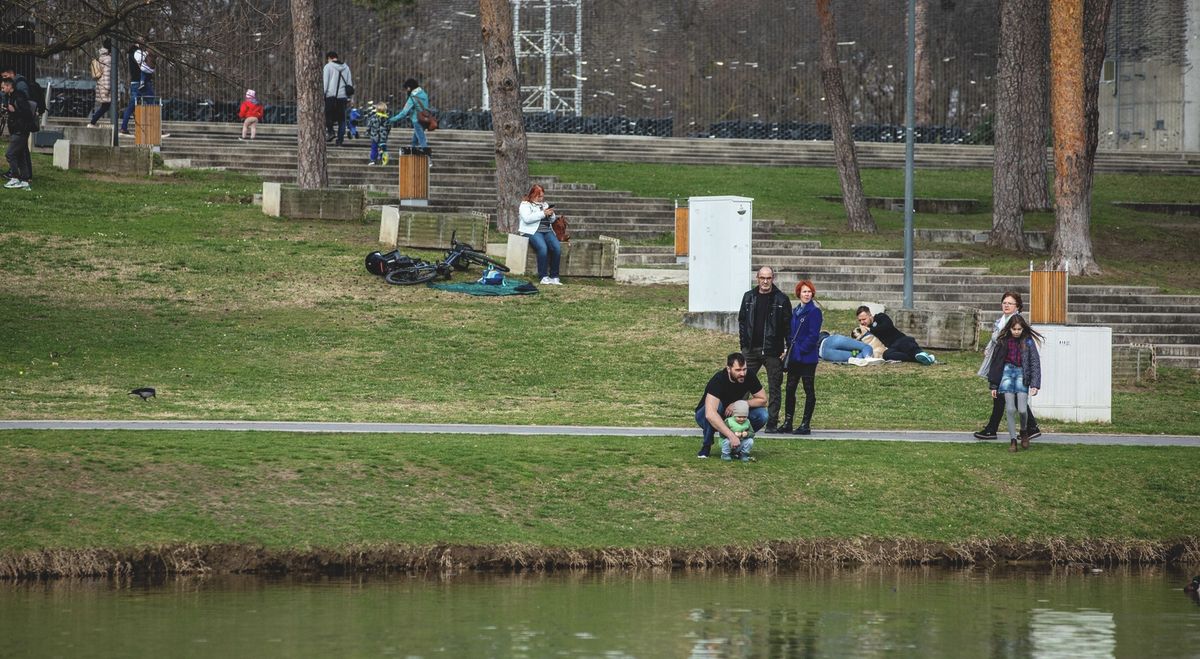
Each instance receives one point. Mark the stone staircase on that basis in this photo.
(462, 179)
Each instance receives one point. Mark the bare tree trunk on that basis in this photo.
(1033, 63)
(508, 123)
(923, 83)
(310, 100)
(858, 216)
(1095, 25)
(1072, 241)
(1008, 228)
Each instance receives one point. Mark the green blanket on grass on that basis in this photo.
(509, 287)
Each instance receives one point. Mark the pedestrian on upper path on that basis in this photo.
(803, 355)
(251, 112)
(102, 74)
(338, 84)
(764, 320)
(418, 101)
(1011, 304)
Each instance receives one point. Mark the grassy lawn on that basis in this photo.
(180, 283)
(1132, 247)
(284, 491)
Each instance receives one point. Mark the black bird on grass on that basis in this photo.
(144, 392)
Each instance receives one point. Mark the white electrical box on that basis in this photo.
(719, 230)
(1076, 374)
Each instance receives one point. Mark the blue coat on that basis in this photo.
(806, 332)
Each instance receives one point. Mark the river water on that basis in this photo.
(848, 612)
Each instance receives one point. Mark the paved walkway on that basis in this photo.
(605, 431)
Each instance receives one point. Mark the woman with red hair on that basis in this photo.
(804, 340)
(536, 218)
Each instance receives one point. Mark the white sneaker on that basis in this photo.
(92, 126)
(22, 185)
(546, 281)
(15, 182)
(555, 281)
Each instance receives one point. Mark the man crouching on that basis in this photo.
(728, 385)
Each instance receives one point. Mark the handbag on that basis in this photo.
(787, 352)
(349, 87)
(559, 225)
(427, 119)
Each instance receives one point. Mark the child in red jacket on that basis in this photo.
(250, 113)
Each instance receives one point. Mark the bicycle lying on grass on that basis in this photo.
(405, 271)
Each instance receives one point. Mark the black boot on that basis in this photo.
(802, 429)
(785, 428)
(809, 405)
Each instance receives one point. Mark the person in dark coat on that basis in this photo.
(805, 341)
(900, 346)
(21, 122)
(763, 321)
(1016, 372)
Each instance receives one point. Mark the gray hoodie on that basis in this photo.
(334, 85)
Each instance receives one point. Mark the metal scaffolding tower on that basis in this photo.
(546, 56)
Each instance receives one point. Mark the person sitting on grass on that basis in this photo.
(900, 346)
(841, 349)
(739, 422)
(727, 386)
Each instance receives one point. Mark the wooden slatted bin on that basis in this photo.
(414, 179)
(681, 231)
(147, 127)
(1048, 297)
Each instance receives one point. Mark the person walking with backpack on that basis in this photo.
(32, 95)
(102, 74)
(418, 102)
(339, 87)
(21, 122)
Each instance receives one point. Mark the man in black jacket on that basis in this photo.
(763, 322)
(21, 123)
(900, 346)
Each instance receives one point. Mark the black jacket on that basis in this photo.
(775, 334)
(20, 119)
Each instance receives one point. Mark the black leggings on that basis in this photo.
(796, 373)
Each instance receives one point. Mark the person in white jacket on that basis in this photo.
(536, 217)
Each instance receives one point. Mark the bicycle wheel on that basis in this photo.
(485, 260)
(418, 274)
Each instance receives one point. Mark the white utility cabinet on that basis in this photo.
(1076, 374)
(719, 231)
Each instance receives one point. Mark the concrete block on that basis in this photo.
(515, 257)
(725, 322)
(422, 229)
(85, 135)
(389, 225)
(117, 160)
(650, 276)
(920, 204)
(289, 201)
(270, 198)
(496, 250)
(944, 330)
(1038, 240)
(62, 154)
(581, 258)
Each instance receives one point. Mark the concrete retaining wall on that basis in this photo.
(289, 201)
(725, 322)
(943, 330)
(116, 160)
(401, 227)
(580, 258)
(85, 135)
(1038, 240)
(920, 204)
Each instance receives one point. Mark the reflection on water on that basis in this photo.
(858, 612)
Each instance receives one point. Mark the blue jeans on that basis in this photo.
(548, 250)
(134, 88)
(758, 419)
(418, 139)
(838, 348)
(378, 149)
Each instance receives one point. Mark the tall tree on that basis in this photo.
(311, 172)
(1008, 230)
(858, 216)
(1033, 62)
(508, 122)
(923, 83)
(1074, 140)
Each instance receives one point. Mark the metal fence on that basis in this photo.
(699, 68)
